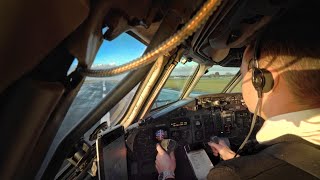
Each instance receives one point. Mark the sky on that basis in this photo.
(125, 48)
(119, 51)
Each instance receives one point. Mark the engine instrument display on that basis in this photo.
(180, 123)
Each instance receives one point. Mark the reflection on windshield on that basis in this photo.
(175, 83)
(215, 80)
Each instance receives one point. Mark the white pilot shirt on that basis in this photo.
(305, 124)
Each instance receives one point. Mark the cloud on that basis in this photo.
(183, 70)
(107, 66)
(222, 70)
(104, 66)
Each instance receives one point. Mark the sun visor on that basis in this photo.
(234, 25)
(32, 29)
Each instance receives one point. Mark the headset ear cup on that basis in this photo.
(269, 82)
(258, 80)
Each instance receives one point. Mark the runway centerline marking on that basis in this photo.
(94, 92)
(104, 87)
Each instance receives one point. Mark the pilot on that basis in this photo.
(288, 56)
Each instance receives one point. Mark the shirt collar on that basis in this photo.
(305, 124)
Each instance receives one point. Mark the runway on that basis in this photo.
(90, 94)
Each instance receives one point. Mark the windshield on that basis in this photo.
(175, 83)
(215, 80)
(111, 53)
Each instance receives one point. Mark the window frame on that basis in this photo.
(183, 89)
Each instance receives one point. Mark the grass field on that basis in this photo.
(205, 85)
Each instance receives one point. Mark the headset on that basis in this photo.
(262, 81)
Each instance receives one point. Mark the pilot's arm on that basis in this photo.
(222, 172)
(165, 163)
(222, 149)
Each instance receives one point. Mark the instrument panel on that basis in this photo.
(191, 122)
(221, 115)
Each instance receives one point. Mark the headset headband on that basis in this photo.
(256, 50)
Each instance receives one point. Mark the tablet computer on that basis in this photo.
(112, 154)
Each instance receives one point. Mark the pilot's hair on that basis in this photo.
(292, 47)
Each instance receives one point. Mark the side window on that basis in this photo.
(111, 53)
(175, 83)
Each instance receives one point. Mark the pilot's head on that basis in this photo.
(290, 50)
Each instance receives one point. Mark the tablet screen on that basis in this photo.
(112, 155)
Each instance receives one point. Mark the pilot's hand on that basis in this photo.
(225, 152)
(164, 161)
